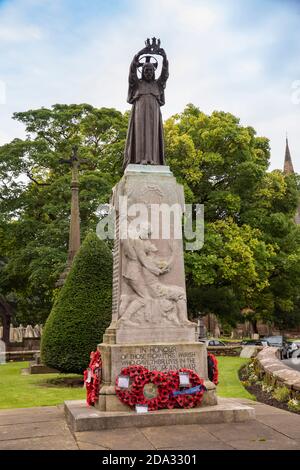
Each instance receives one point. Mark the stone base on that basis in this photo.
(108, 400)
(80, 417)
(155, 356)
(40, 369)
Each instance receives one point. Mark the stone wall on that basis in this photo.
(17, 356)
(269, 366)
(225, 350)
(27, 344)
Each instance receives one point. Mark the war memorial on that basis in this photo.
(150, 336)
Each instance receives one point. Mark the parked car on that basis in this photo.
(293, 346)
(212, 342)
(286, 348)
(289, 349)
(276, 341)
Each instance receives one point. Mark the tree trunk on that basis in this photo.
(254, 326)
(6, 315)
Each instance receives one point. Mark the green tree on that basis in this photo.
(82, 310)
(251, 247)
(35, 196)
(249, 265)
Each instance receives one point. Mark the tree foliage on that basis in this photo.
(251, 248)
(249, 266)
(35, 196)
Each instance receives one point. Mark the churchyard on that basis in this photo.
(132, 241)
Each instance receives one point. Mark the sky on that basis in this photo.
(239, 56)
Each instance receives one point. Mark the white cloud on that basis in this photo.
(19, 34)
(213, 63)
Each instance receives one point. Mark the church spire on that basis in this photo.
(288, 165)
(288, 169)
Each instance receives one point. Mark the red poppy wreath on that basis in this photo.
(92, 378)
(213, 370)
(169, 394)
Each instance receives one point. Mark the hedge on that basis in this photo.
(82, 310)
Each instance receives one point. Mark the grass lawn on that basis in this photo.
(23, 391)
(229, 383)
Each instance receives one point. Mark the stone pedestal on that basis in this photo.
(149, 324)
(149, 296)
(156, 356)
(149, 317)
(83, 418)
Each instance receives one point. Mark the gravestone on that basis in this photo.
(29, 332)
(2, 352)
(37, 331)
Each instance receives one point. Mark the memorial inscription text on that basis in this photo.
(161, 358)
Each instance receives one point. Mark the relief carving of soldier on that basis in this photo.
(141, 270)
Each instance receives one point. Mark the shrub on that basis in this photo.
(82, 310)
(281, 394)
(253, 378)
(267, 388)
(294, 405)
(245, 383)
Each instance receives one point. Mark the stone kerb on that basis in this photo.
(269, 363)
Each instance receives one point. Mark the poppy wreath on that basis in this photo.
(195, 399)
(213, 370)
(166, 382)
(92, 378)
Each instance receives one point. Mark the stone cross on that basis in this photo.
(74, 233)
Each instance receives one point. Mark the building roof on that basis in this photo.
(288, 165)
(288, 169)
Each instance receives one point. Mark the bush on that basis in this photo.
(294, 405)
(82, 310)
(281, 394)
(267, 388)
(252, 378)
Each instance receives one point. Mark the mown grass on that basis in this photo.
(229, 383)
(24, 391)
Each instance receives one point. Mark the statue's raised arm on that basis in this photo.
(164, 71)
(133, 77)
(144, 144)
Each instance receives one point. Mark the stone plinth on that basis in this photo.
(149, 296)
(149, 324)
(156, 356)
(82, 418)
(40, 369)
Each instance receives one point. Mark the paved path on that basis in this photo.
(45, 428)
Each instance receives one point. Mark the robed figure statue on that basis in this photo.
(145, 143)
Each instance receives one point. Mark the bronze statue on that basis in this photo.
(145, 144)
